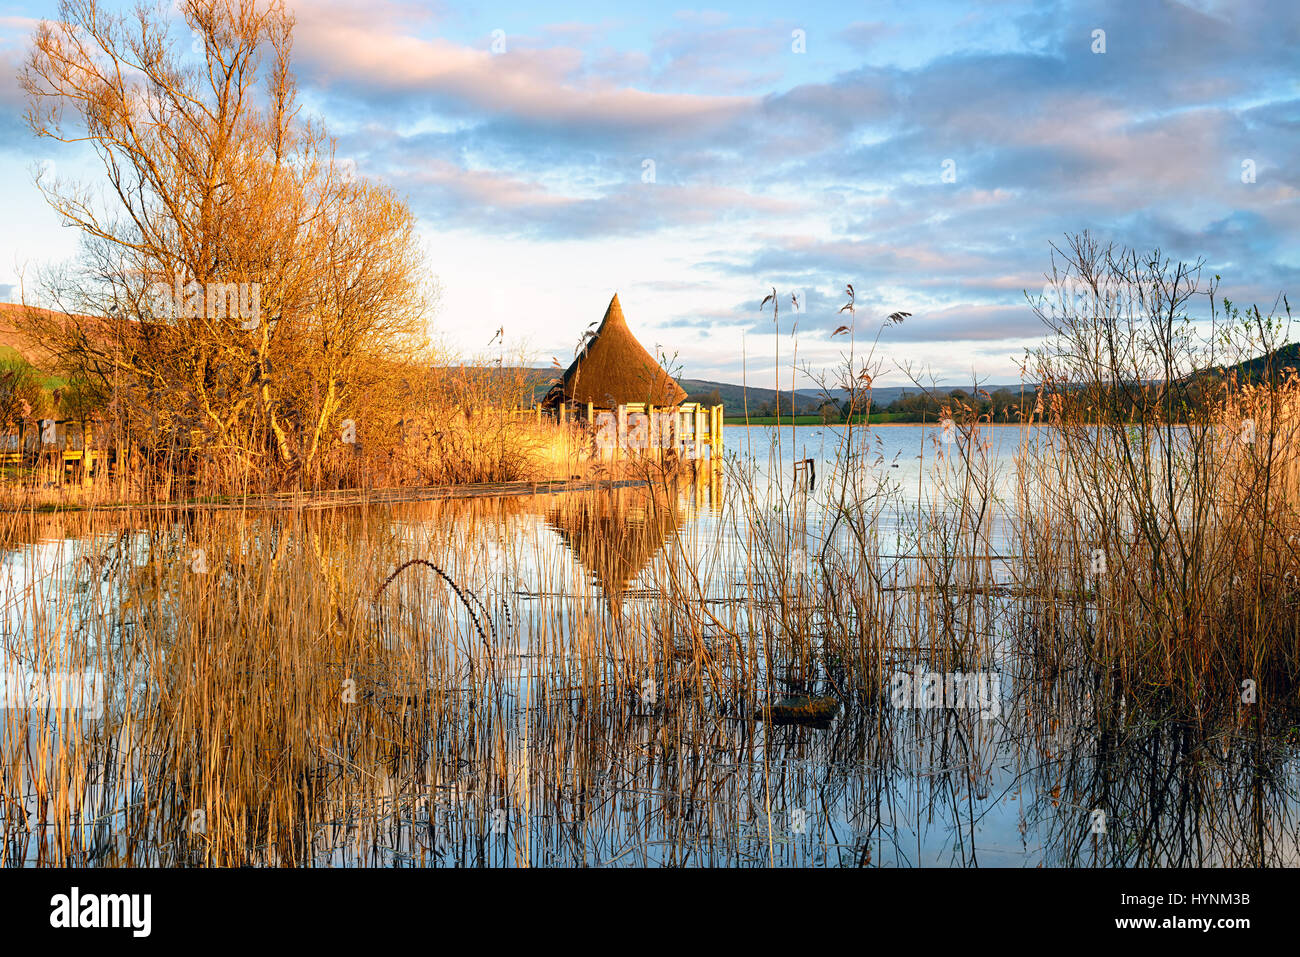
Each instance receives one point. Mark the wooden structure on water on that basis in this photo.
(690, 430)
(633, 405)
(68, 445)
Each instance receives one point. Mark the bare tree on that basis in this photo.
(238, 292)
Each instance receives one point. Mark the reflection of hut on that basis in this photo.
(613, 369)
(615, 534)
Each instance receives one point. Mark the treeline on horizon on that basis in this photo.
(1000, 405)
(1081, 402)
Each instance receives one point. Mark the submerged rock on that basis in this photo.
(801, 709)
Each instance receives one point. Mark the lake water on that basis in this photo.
(574, 750)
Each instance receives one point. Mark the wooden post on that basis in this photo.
(87, 456)
(123, 442)
(591, 414)
(622, 426)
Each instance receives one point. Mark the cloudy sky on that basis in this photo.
(691, 160)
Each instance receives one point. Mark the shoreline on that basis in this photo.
(343, 498)
(871, 425)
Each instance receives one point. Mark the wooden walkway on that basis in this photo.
(65, 441)
(352, 498)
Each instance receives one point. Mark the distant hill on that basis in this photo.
(14, 343)
(883, 395)
(735, 397)
(732, 397)
(1255, 370)
(17, 345)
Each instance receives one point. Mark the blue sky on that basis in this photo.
(528, 165)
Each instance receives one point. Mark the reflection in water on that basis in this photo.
(589, 692)
(614, 535)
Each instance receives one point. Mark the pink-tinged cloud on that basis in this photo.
(513, 204)
(486, 188)
(877, 253)
(12, 97)
(540, 86)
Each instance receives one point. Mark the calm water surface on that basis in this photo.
(631, 783)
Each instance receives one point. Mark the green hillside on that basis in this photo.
(736, 398)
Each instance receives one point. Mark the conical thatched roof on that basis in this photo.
(614, 369)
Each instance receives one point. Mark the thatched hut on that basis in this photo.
(614, 369)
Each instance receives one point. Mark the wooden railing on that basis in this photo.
(691, 429)
(67, 439)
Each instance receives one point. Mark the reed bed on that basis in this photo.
(587, 678)
(454, 447)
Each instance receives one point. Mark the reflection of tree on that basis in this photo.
(1119, 787)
